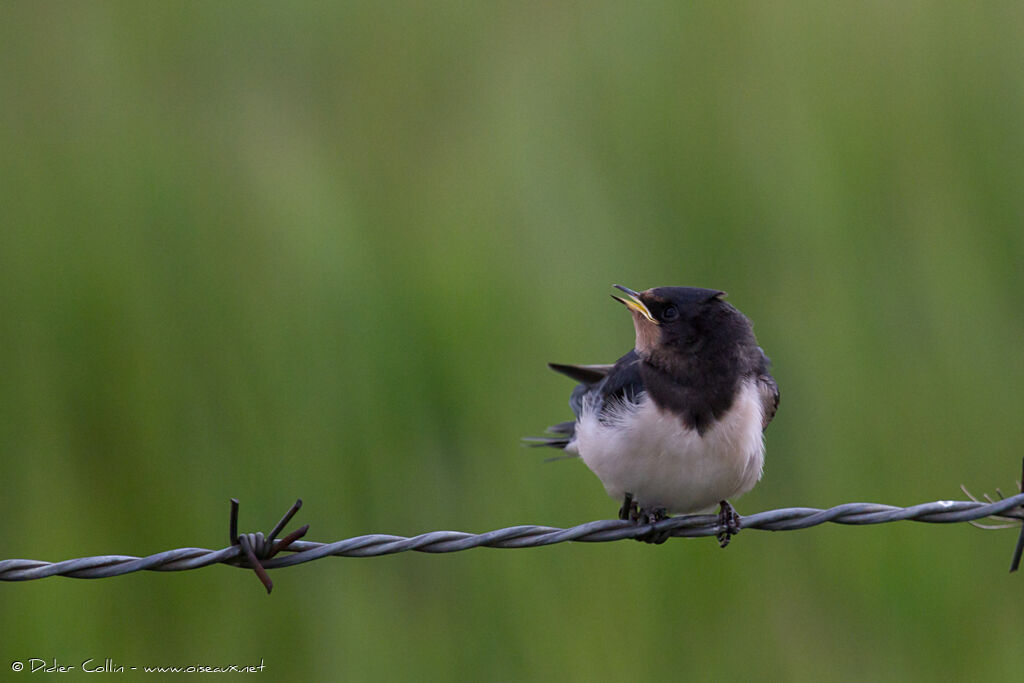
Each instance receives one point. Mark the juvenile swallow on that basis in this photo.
(675, 425)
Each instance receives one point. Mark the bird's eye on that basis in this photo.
(670, 313)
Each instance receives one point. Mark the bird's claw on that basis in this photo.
(654, 516)
(640, 517)
(729, 522)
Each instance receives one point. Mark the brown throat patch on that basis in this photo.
(647, 334)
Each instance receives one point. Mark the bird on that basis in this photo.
(676, 424)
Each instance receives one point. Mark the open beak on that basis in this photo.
(634, 303)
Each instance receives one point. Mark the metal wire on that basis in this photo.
(253, 551)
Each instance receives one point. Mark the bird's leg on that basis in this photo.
(653, 516)
(728, 521)
(628, 508)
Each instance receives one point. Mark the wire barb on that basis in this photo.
(1019, 549)
(1011, 520)
(258, 547)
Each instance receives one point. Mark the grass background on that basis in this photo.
(324, 250)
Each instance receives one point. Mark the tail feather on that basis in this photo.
(562, 434)
(568, 428)
(568, 456)
(549, 441)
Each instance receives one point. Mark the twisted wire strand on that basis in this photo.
(526, 536)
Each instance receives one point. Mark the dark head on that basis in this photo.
(685, 321)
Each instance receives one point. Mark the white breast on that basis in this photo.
(650, 453)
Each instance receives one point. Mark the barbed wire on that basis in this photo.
(257, 552)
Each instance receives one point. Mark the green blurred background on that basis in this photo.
(270, 250)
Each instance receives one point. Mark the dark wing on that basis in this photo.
(605, 382)
(768, 390)
(623, 382)
(588, 374)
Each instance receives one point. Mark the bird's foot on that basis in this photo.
(631, 511)
(729, 522)
(653, 516)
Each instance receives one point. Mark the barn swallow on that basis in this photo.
(675, 425)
